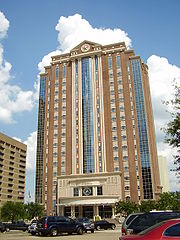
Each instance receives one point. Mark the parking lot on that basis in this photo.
(97, 235)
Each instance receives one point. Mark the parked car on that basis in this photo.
(54, 225)
(2, 227)
(127, 221)
(33, 227)
(104, 224)
(88, 225)
(165, 230)
(18, 225)
(146, 220)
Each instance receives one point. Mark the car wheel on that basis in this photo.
(33, 233)
(54, 232)
(98, 228)
(92, 231)
(80, 231)
(113, 227)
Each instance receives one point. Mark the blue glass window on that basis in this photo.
(110, 62)
(142, 129)
(64, 71)
(118, 62)
(87, 111)
(57, 73)
(76, 67)
(96, 61)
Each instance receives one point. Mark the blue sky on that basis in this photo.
(29, 31)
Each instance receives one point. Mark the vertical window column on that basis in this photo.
(113, 116)
(98, 116)
(142, 130)
(123, 127)
(63, 123)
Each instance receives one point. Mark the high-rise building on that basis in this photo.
(12, 169)
(96, 141)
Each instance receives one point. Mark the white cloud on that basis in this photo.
(12, 98)
(46, 60)
(18, 139)
(74, 29)
(4, 25)
(31, 143)
(161, 77)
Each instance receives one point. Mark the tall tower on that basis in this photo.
(96, 141)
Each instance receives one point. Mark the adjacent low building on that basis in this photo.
(12, 169)
(163, 172)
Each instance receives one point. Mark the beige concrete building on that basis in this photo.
(12, 169)
(96, 142)
(163, 171)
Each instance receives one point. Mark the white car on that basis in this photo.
(33, 228)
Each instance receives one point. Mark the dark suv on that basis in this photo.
(146, 220)
(54, 225)
(128, 220)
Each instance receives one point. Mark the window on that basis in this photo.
(124, 147)
(118, 63)
(125, 168)
(115, 148)
(125, 158)
(128, 199)
(119, 74)
(76, 192)
(110, 62)
(173, 231)
(57, 73)
(116, 169)
(99, 190)
(64, 71)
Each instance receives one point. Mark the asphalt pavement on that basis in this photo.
(97, 235)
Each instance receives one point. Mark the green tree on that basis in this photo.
(173, 128)
(125, 208)
(34, 210)
(169, 201)
(12, 211)
(147, 206)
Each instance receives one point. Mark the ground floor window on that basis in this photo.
(67, 211)
(105, 211)
(88, 211)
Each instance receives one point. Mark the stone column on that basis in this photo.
(113, 211)
(73, 211)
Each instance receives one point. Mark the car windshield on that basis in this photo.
(84, 220)
(130, 219)
(151, 228)
(42, 220)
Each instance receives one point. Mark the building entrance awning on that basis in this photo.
(88, 202)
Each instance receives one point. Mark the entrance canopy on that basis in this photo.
(91, 201)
